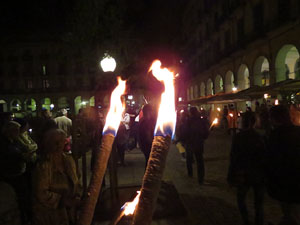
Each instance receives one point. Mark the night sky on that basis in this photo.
(154, 21)
(148, 27)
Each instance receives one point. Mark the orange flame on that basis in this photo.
(166, 119)
(230, 114)
(114, 115)
(215, 121)
(130, 206)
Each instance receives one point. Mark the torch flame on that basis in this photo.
(166, 119)
(114, 115)
(215, 121)
(130, 206)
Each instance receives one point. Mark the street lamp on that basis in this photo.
(108, 63)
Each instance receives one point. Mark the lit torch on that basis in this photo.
(164, 130)
(110, 129)
(127, 209)
(216, 120)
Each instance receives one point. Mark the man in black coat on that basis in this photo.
(146, 131)
(197, 131)
(246, 169)
(283, 164)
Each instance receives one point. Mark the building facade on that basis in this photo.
(240, 44)
(51, 75)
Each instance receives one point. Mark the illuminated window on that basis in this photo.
(44, 70)
(46, 84)
(29, 84)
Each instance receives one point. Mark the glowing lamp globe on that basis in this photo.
(108, 64)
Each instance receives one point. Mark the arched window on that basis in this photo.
(229, 81)
(261, 71)
(202, 89)
(219, 84)
(285, 63)
(243, 77)
(209, 87)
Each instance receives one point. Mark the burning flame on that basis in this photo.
(219, 109)
(166, 119)
(129, 207)
(215, 121)
(114, 115)
(230, 114)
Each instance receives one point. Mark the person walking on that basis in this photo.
(246, 169)
(197, 130)
(283, 164)
(146, 131)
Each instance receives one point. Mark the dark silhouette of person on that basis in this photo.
(122, 143)
(283, 164)
(246, 169)
(146, 131)
(45, 124)
(197, 130)
(13, 166)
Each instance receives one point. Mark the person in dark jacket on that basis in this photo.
(122, 143)
(246, 169)
(146, 131)
(283, 164)
(13, 166)
(46, 123)
(197, 131)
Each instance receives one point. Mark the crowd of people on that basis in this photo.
(265, 156)
(38, 163)
(37, 166)
(38, 169)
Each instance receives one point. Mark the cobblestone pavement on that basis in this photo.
(210, 204)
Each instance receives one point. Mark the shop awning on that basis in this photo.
(254, 92)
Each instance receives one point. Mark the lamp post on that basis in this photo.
(108, 64)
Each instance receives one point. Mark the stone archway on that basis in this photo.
(46, 104)
(243, 80)
(106, 100)
(196, 93)
(92, 101)
(286, 62)
(15, 105)
(30, 106)
(3, 106)
(261, 71)
(229, 81)
(219, 85)
(77, 104)
(209, 87)
(63, 103)
(202, 89)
